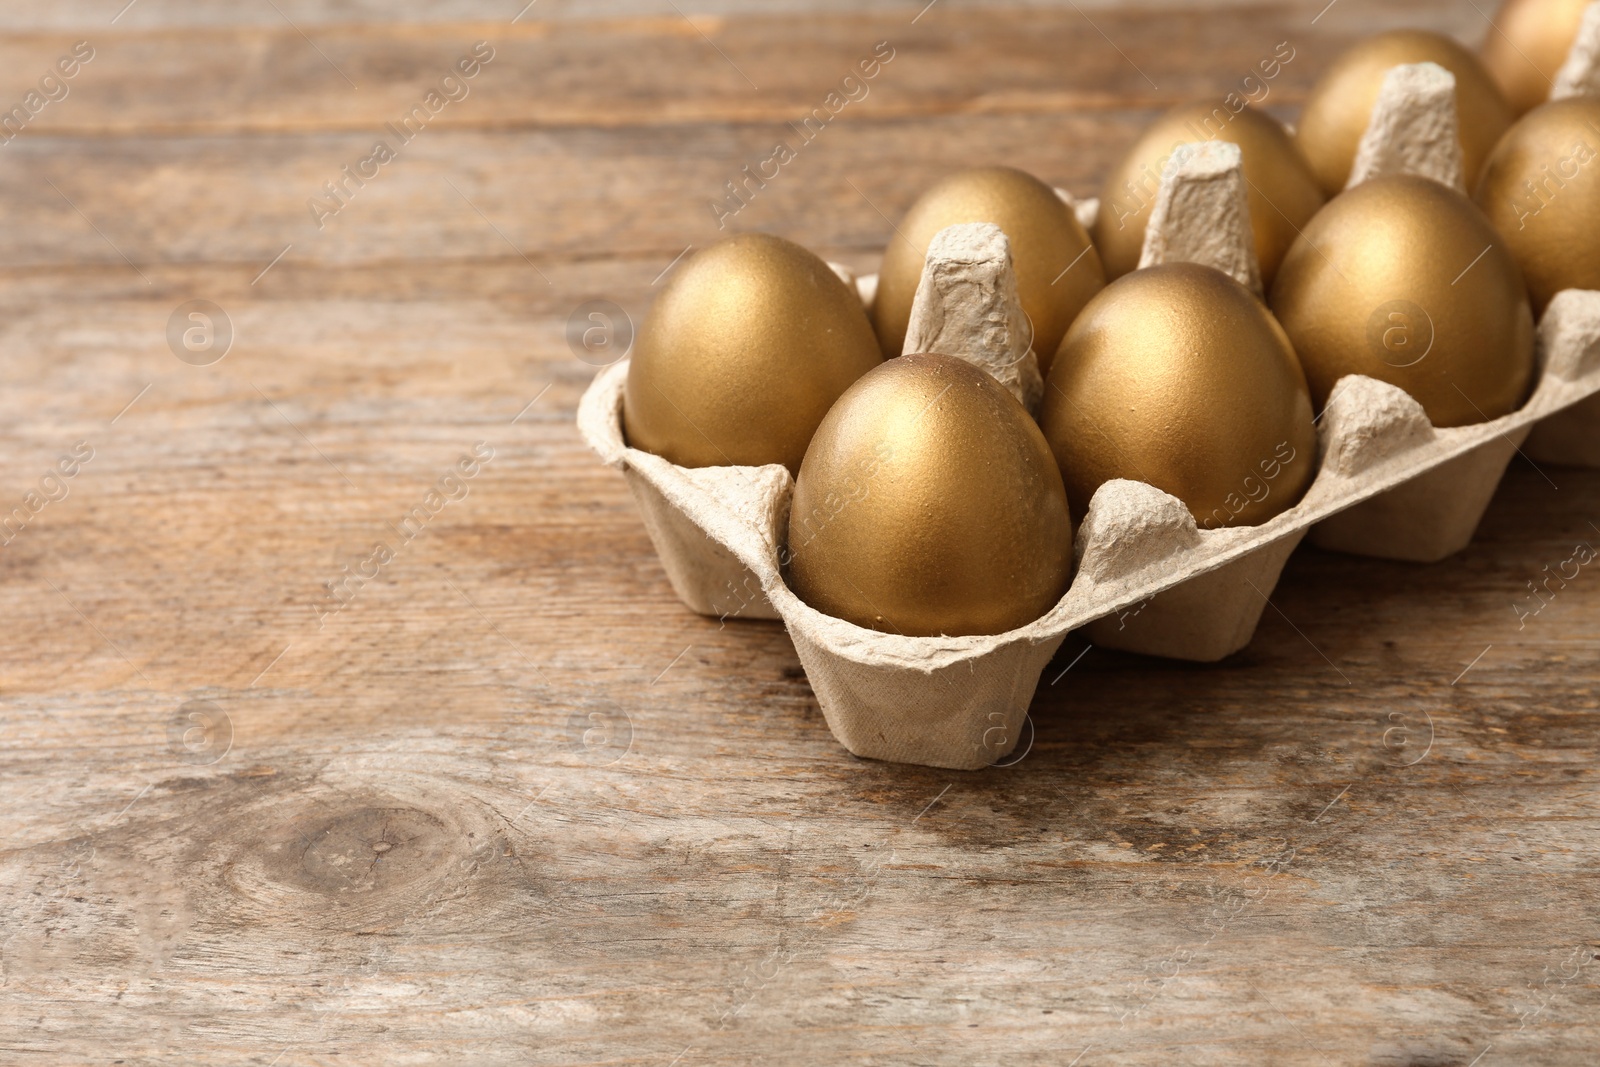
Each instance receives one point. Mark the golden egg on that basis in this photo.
(1057, 268)
(743, 354)
(1283, 192)
(1541, 190)
(1526, 46)
(1179, 377)
(1340, 106)
(929, 504)
(1403, 280)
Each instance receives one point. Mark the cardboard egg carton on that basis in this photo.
(1148, 579)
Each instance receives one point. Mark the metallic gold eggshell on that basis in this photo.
(1541, 190)
(1179, 377)
(1403, 280)
(1340, 105)
(1528, 42)
(743, 354)
(1283, 193)
(1057, 268)
(929, 504)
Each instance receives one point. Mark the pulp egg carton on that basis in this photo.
(1147, 578)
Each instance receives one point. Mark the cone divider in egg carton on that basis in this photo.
(1413, 129)
(966, 304)
(1580, 74)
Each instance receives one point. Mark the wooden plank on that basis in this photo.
(357, 77)
(1370, 838)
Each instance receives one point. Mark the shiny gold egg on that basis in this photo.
(1526, 46)
(929, 504)
(1541, 190)
(1340, 105)
(1403, 280)
(1057, 268)
(1179, 377)
(743, 354)
(1283, 192)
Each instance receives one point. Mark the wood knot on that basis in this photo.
(367, 850)
(352, 858)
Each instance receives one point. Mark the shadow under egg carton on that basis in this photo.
(1147, 579)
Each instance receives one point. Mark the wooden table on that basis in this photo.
(511, 803)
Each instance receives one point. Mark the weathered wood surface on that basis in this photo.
(1370, 838)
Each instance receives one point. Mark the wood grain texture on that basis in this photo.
(513, 804)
